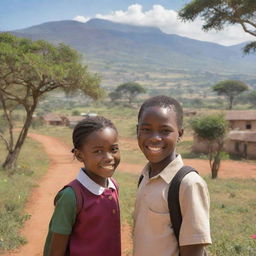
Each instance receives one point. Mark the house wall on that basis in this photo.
(241, 148)
(242, 125)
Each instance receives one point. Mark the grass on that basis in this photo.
(233, 209)
(14, 191)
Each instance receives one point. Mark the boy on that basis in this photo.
(159, 129)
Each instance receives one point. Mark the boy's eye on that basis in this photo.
(144, 129)
(166, 131)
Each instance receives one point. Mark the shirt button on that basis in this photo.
(110, 197)
(113, 211)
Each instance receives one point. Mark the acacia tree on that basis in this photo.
(219, 13)
(212, 129)
(130, 90)
(230, 89)
(28, 71)
(252, 98)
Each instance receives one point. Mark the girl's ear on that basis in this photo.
(78, 155)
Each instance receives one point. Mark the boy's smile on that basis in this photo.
(158, 133)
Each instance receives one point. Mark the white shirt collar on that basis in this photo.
(92, 186)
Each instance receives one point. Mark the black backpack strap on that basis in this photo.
(140, 179)
(173, 199)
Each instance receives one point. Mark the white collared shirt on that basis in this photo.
(92, 186)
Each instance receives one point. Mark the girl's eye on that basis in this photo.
(115, 150)
(99, 151)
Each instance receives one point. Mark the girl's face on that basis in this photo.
(100, 154)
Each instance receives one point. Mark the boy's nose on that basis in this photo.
(156, 137)
(108, 157)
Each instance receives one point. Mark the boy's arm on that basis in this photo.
(192, 250)
(58, 245)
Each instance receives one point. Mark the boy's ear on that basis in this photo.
(78, 155)
(137, 129)
(181, 131)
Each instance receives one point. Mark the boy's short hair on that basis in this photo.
(166, 102)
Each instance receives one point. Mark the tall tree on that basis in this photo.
(212, 129)
(219, 13)
(230, 89)
(28, 71)
(130, 91)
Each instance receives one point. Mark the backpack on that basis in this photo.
(173, 199)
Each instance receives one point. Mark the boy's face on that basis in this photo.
(100, 154)
(157, 134)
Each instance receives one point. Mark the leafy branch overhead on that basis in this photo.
(30, 69)
(219, 13)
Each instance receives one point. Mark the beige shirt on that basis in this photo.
(153, 232)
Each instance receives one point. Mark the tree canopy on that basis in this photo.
(230, 89)
(30, 69)
(219, 13)
(212, 129)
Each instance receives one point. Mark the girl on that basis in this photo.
(86, 219)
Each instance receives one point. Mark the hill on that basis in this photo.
(106, 41)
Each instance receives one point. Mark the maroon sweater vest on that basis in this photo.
(96, 231)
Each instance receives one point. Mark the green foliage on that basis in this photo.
(219, 13)
(230, 89)
(129, 90)
(14, 192)
(29, 70)
(210, 127)
(252, 98)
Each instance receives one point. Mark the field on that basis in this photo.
(233, 205)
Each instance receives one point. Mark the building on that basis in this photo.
(52, 119)
(242, 120)
(241, 143)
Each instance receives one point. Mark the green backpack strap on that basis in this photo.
(173, 199)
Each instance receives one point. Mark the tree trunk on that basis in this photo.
(230, 106)
(11, 159)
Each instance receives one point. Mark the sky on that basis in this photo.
(17, 14)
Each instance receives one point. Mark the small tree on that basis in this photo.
(212, 129)
(252, 98)
(220, 13)
(28, 71)
(130, 91)
(230, 89)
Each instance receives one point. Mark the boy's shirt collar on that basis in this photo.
(168, 172)
(92, 186)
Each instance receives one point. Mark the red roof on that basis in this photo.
(246, 115)
(242, 136)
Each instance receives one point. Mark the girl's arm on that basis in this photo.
(58, 245)
(192, 250)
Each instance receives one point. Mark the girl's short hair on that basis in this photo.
(87, 126)
(166, 102)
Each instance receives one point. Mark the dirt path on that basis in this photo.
(63, 168)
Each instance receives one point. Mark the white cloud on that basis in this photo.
(80, 18)
(167, 21)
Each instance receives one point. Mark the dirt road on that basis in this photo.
(64, 168)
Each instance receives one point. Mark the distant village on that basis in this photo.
(241, 138)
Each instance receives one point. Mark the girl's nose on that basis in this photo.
(108, 157)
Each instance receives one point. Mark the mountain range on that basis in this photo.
(104, 41)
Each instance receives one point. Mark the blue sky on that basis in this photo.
(17, 14)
